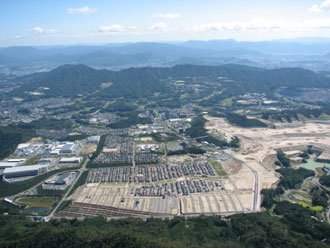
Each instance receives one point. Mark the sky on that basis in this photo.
(65, 22)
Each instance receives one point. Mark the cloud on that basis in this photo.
(115, 28)
(167, 15)
(325, 6)
(83, 10)
(133, 27)
(256, 24)
(159, 26)
(39, 30)
(51, 31)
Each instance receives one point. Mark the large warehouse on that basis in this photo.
(24, 171)
(11, 163)
(72, 160)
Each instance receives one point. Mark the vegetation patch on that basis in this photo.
(38, 202)
(314, 208)
(132, 119)
(243, 121)
(218, 168)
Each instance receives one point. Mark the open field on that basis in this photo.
(89, 149)
(312, 165)
(36, 140)
(218, 168)
(179, 158)
(37, 202)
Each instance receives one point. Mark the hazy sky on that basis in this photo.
(49, 22)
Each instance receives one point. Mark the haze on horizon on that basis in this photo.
(38, 22)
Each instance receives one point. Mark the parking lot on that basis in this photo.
(152, 173)
(217, 201)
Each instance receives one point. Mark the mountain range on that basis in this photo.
(75, 80)
(306, 53)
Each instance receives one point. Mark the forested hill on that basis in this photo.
(72, 80)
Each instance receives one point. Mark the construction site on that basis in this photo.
(193, 186)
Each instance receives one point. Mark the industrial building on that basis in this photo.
(93, 139)
(45, 160)
(24, 171)
(11, 163)
(73, 160)
(68, 148)
(59, 182)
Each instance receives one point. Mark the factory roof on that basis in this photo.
(23, 168)
(7, 164)
(70, 159)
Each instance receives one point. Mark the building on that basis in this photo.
(73, 160)
(24, 171)
(59, 182)
(6, 164)
(11, 163)
(45, 160)
(68, 148)
(55, 152)
(93, 139)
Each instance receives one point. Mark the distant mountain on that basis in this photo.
(307, 53)
(105, 58)
(165, 50)
(74, 80)
(271, 47)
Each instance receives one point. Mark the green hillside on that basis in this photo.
(74, 80)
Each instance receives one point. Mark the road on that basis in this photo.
(133, 161)
(104, 107)
(81, 170)
(256, 188)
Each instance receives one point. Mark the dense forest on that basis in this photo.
(243, 121)
(325, 180)
(293, 227)
(290, 179)
(198, 131)
(292, 115)
(136, 83)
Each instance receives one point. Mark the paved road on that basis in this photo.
(81, 170)
(133, 161)
(256, 188)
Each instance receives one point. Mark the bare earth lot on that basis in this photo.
(89, 149)
(257, 143)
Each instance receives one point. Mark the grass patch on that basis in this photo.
(32, 161)
(314, 208)
(227, 102)
(63, 205)
(218, 168)
(38, 202)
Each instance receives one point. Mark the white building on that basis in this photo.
(73, 160)
(24, 171)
